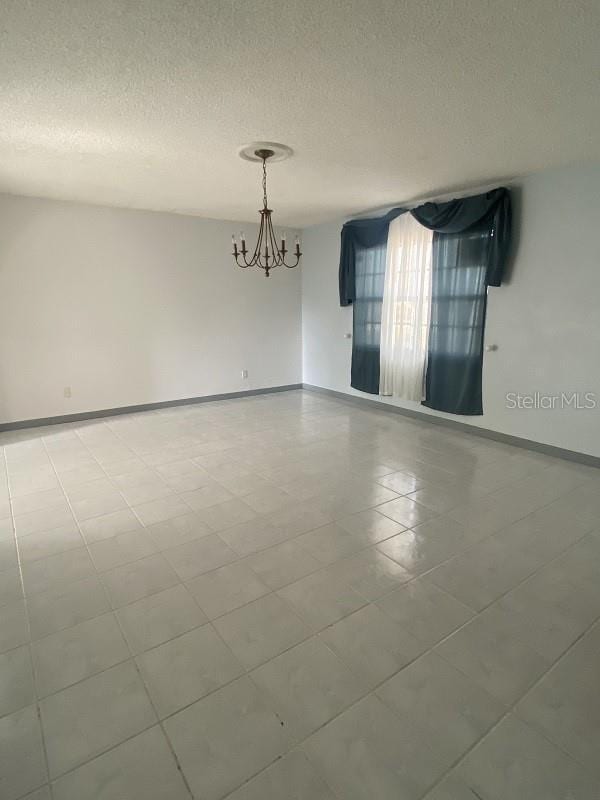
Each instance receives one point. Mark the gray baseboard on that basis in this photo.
(111, 412)
(364, 402)
(485, 433)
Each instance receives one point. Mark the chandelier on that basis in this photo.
(267, 253)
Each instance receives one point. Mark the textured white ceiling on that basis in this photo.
(144, 103)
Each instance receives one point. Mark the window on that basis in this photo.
(418, 280)
(369, 278)
(406, 309)
(458, 306)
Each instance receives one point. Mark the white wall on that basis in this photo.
(545, 319)
(129, 307)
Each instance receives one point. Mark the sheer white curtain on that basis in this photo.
(405, 311)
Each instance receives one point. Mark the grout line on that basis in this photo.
(133, 658)
(29, 642)
(322, 567)
(562, 657)
(104, 752)
(350, 555)
(153, 706)
(313, 634)
(378, 408)
(126, 642)
(373, 691)
(510, 709)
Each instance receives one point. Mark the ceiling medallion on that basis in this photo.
(267, 253)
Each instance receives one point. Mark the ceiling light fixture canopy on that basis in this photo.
(267, 253)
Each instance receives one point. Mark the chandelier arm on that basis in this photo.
(298, 255)
(236, 254)
(255, 260)
(277, 258)
(246, 263)
(291, 266)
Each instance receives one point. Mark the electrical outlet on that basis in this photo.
(244, 374)
(67, 391)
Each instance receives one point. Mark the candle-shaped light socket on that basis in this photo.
(269, 245)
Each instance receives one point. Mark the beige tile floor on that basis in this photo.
(286, 597)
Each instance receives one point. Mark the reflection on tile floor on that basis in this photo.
(285, 596)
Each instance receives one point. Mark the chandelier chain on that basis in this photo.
(264, 183)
